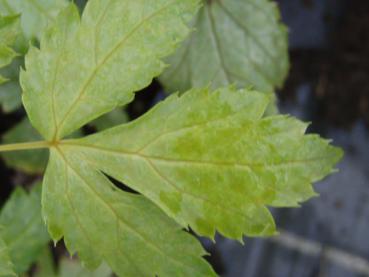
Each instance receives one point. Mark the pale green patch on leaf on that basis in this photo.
(35, 15)
(210, 160)
(6, 266)
(104, 57)
(29, 161)
(239, 42)
(22, 228)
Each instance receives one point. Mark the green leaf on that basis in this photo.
(28, 161)
(9, 28)
(101, 222)
(6, 266)
(6, 55)
(239, 42)
(210, 160)
(10, 95)
(23, 230)
(104, 57)
(35, 14)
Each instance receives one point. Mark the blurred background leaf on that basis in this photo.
(10, 91)
(23, 230)
(68, 267)
(240, 42)
(35, 15)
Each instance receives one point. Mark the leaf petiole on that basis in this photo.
(25, 146)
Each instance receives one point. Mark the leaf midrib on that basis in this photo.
(216, 43)
(188, 161)
(220, 55)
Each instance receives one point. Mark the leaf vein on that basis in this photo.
(249, 32)
(216, 44)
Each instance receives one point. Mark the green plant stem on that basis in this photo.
(24, 146)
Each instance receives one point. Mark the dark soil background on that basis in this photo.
(329, 86)
(335, 62)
